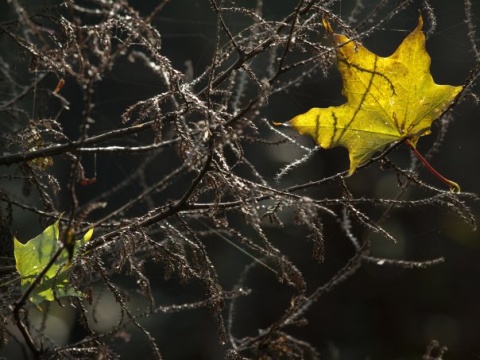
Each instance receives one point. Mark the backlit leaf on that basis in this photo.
(33, 256)
(389, 99)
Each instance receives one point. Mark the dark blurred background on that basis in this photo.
(382, 312)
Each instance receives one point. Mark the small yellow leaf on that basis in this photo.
(87, 236)
(389, 99)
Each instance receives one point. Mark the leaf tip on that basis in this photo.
(351, 169)
(88, 235)
(420, 22)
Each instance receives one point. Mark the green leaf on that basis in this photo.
(32, 257)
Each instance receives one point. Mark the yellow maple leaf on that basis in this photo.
(389, 99)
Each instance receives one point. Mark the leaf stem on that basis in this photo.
(453, 185)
